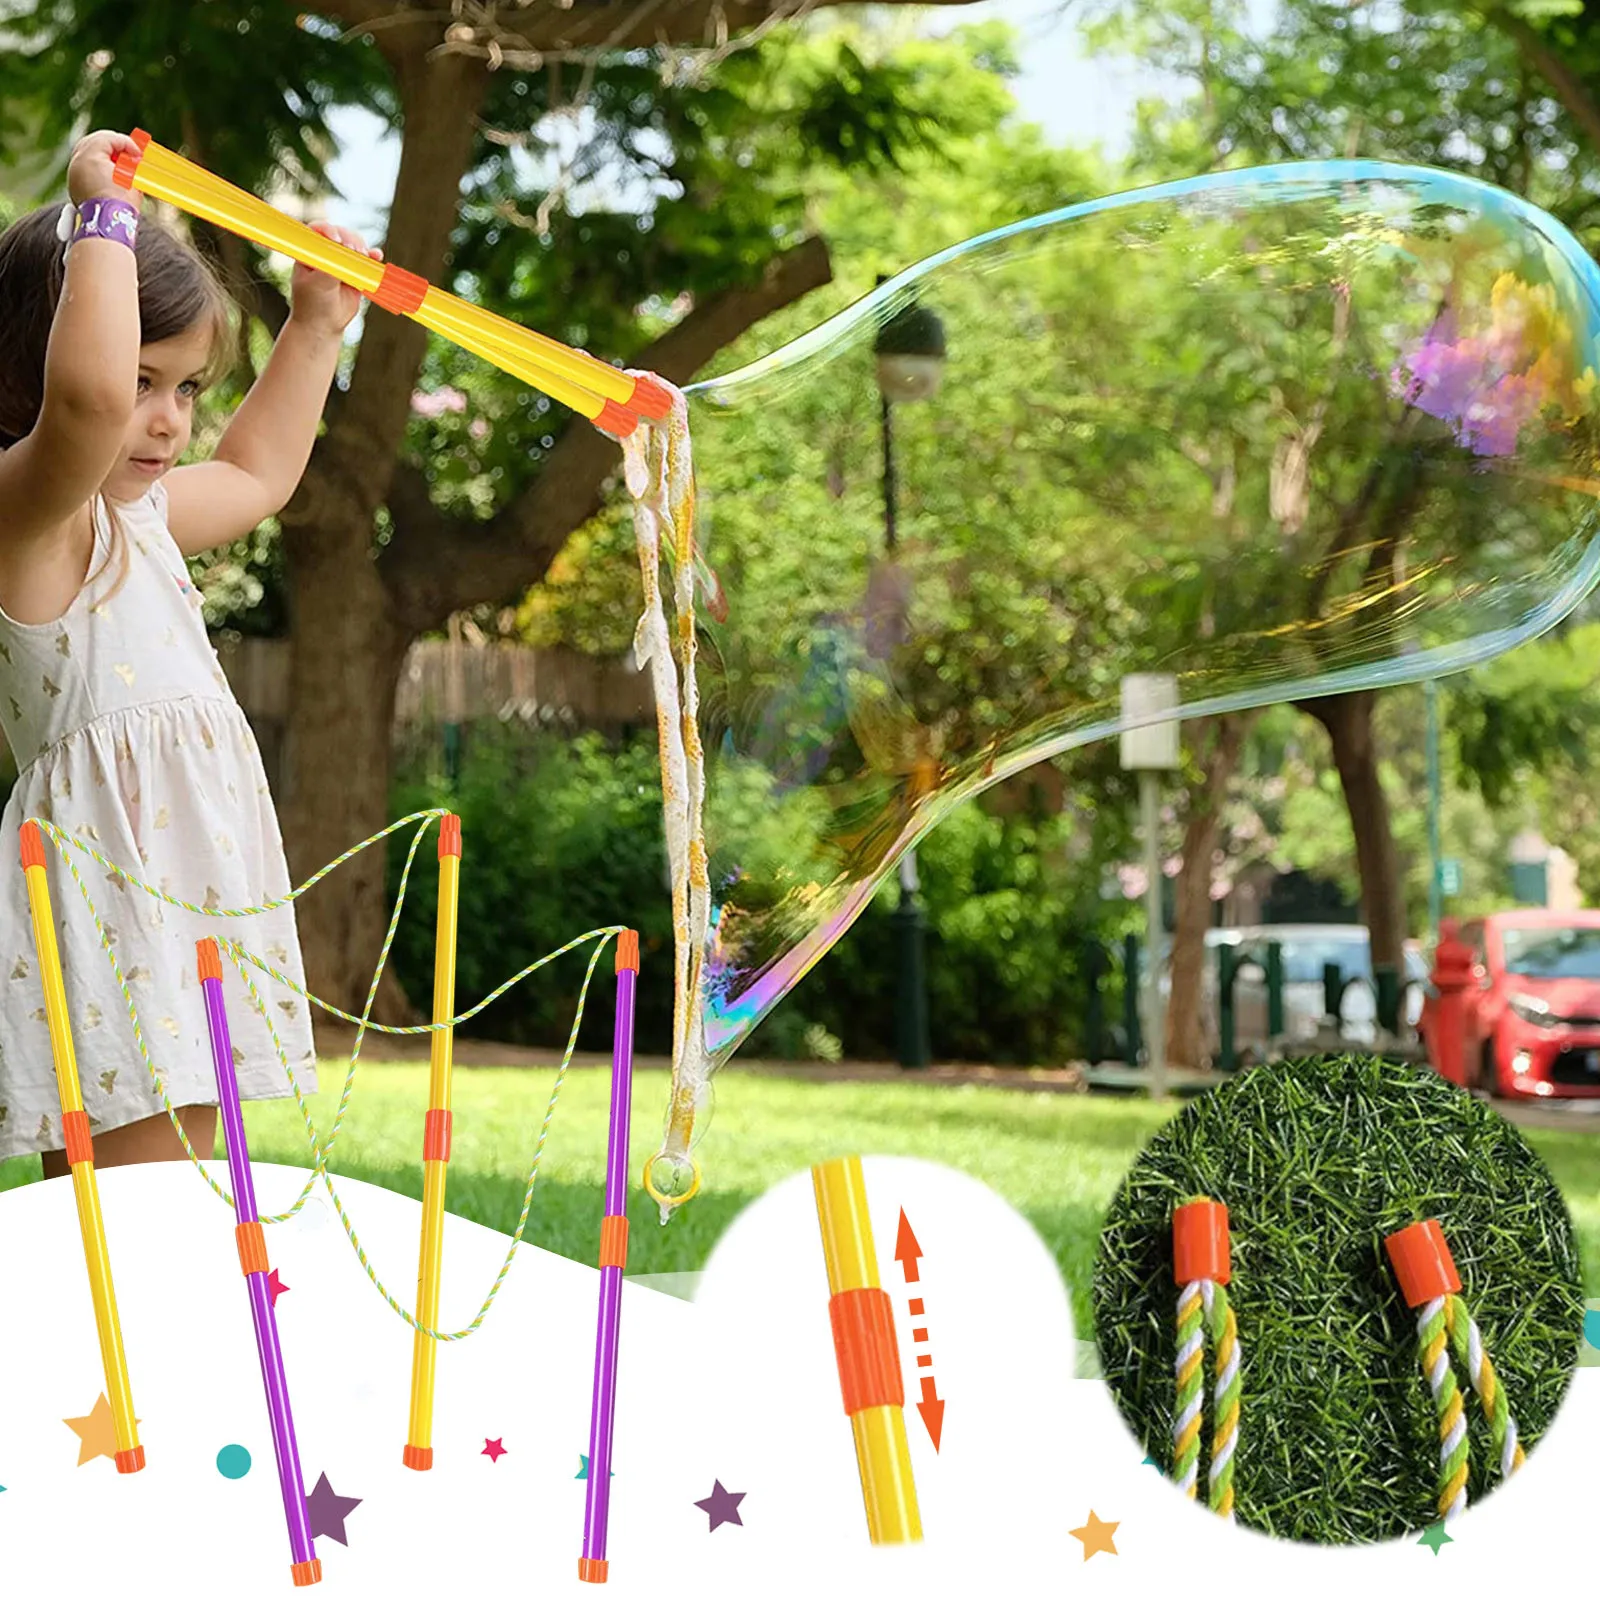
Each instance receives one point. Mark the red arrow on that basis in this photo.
(907, 1250)
(931, 1408)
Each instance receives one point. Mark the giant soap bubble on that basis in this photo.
(1291, 430)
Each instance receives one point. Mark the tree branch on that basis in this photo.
(553, 31)
(437, 564)
(1546, 60)
(440, 102)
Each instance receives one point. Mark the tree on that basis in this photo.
(376, 547)
(1463, 86)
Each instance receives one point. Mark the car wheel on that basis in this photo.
(1488, 1070)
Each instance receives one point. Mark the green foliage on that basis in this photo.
(1010, 912)
(1317, 1161)
(1535, 708)
(562, 836)
(247, 85)
(558, 837)
(1527, 728)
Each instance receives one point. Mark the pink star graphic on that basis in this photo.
(493, 1449)
(275, 1286)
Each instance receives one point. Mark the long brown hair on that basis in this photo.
(178, 291)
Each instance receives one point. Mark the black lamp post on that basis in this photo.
(910, 352)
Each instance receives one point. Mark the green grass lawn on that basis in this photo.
(1057, 1158)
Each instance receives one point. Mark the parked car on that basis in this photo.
(1533, 1012)
(1307, 947)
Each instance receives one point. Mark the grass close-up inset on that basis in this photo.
(1317, 1161)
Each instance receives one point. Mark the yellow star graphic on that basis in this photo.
(97, 1431)
(1096, 1536)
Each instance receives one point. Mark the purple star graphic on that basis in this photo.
(328, 1510)
(275, 1285)
(721, 1506)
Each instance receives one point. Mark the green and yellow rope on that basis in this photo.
(242, 957)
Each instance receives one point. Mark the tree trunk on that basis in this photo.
(343, 675)
(1349, 721)
(1221, 741)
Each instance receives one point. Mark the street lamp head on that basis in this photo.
(911, 353)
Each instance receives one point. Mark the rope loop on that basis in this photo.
(243, 958)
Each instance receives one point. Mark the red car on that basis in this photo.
(1533, 1020)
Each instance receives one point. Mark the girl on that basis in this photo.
(112, 701)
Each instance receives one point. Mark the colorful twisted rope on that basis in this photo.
(320, 1153)
(1467, 1343)
(1433, 1336)
(1432, 1288)
(1201, 1263)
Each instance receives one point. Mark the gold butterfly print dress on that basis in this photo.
(127, 736)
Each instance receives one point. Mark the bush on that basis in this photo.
(559, 836)
(1009, 916)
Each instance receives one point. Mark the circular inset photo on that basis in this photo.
(1338, 1300)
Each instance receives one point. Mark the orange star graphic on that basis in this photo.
(97, 1431)
(1096, 1536)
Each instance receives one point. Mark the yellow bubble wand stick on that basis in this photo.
(611, 399)
(868, 1356)
(80, 1156)
(418, 1453)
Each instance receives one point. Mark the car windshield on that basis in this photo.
(1304, 959)
(1553, 952)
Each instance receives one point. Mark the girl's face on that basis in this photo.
(158, 433)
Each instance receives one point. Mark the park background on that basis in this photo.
(442, 614)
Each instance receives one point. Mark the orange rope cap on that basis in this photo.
(1422, 1263)
(1200, 1245)
(628, 950)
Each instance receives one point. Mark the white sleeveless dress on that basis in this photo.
(127, 736)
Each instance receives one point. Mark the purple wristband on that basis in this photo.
(103, 218)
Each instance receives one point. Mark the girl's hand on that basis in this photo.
(319, 301)
(93, 160)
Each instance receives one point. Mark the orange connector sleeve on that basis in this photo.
(436, 1136)
(614, 1242)
(209, 959)
(399, 291)
(864, 1342)
(79, 1141)
(449, 835)
(252, 1243)
(32, 843)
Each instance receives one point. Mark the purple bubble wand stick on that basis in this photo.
(307, 1569)
(592, 1565)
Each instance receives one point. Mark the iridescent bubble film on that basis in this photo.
(1284, 431)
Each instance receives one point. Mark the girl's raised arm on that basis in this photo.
(91, 380)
